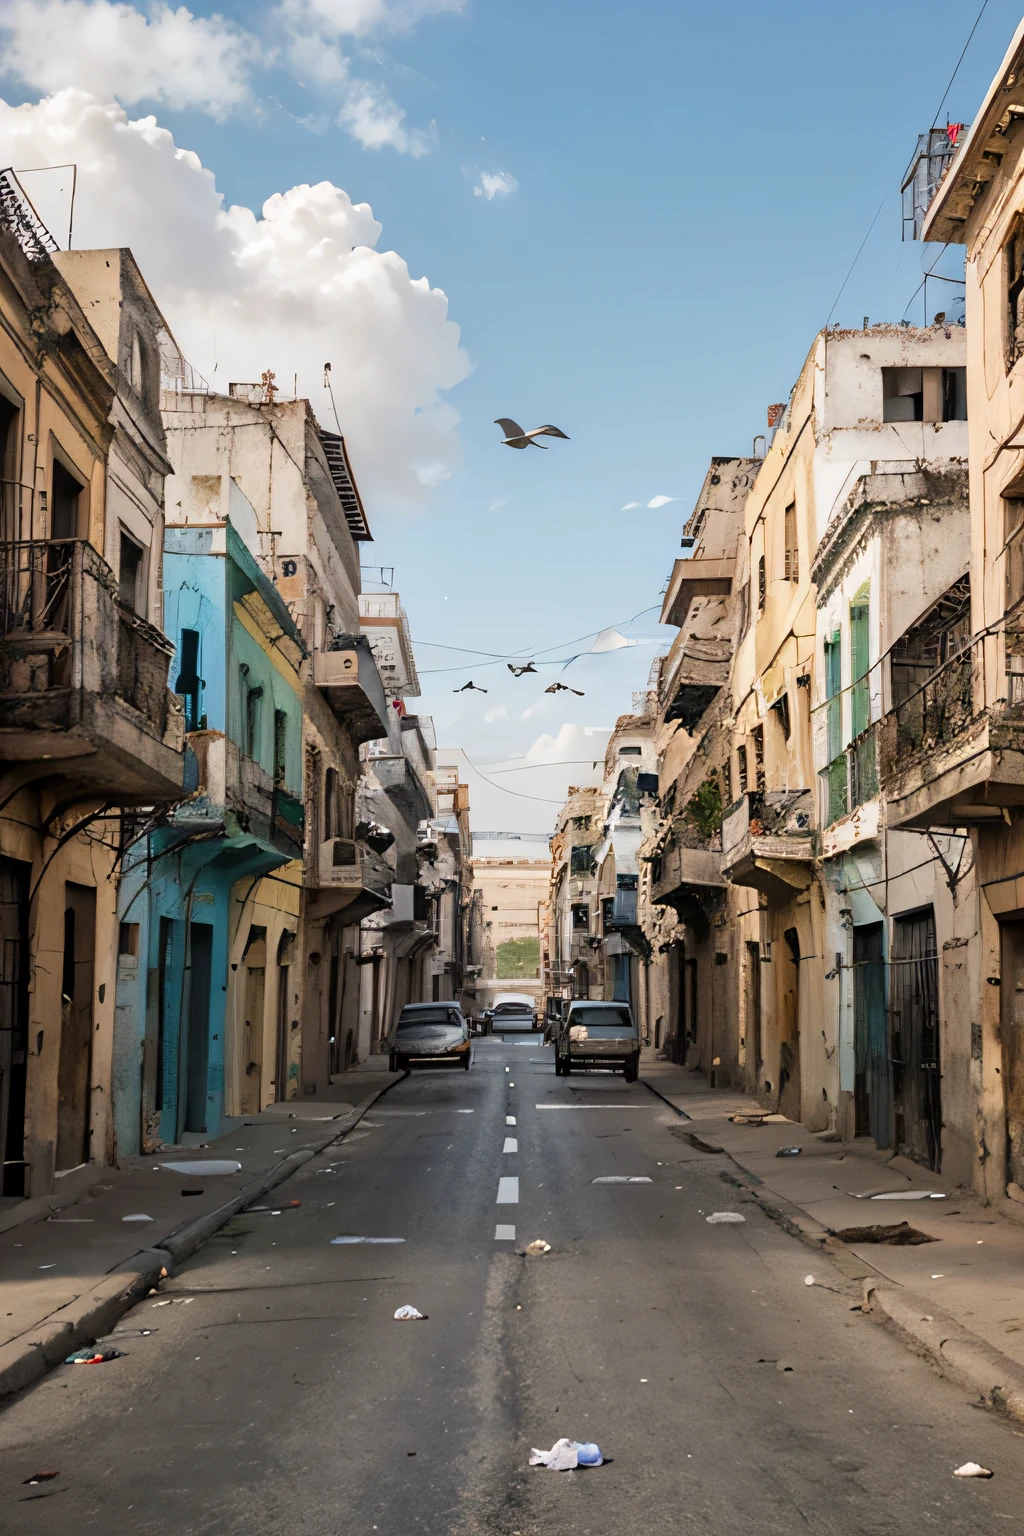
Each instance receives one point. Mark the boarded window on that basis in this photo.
(757, 737)
(762, 584)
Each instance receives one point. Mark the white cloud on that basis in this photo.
(496, 506)
(432, 475)
(294, 288)
(112, 49)
(376, 122)
(494, 184)
(660, 501)
(630, 505)
(358, 18)
(499, 712)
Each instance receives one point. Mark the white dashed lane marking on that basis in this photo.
(511, 1144)
(508, 1191)
(510, 1119)
(504, 1234)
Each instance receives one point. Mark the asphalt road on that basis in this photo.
(276, 1393)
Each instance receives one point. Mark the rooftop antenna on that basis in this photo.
(330, 391)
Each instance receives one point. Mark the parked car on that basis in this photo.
(429, 1034)
(597, 1035)
(513, 1010)
(554, 1012)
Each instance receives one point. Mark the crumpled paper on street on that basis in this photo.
(565, 1455)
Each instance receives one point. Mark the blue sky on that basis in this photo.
(692, 184)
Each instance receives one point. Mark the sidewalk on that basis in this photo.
(959, 1299)
(66, 1277)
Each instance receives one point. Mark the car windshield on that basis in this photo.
(513, 1008)
(428, 1016)
(602, 1021)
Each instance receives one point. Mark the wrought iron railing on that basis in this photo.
(933, 716)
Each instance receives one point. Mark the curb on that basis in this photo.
(659, 1095)
(89, 1316)
(957, 1354)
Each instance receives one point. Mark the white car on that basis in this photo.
(513, 1010)
(597, 1035)
(431, 1033)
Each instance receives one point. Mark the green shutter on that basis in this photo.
(833, 687)
(860, 693)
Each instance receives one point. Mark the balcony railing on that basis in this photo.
(851, 779)
(931, 717)
(22, 512)
(67, 644)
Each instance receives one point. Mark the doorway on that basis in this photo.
(282, 1062)
(255, 994)
(13, 1019)
(914, 1034)
(872, 1081)
(74, 1070)
(755, 1056)
(789, 1035)
(197, 1028)
(1011, 1034)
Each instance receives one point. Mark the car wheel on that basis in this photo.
(392, 1062)
(629, 1069)
(466, 1061)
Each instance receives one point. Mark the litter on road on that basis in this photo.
(621, 1178)
(38, 1477)
(410, 1315)
(972, 1469)
(347, 1240)
(94, 1356)
(203, 1168)
(808, 1279)
(724, 1216)
(895, 1194)
(789, 1152)
(565, 1455)
(537, 1246)
(137, 1216)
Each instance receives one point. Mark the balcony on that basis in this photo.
(348, 677)
(684, 874)
(849, 795)
(83, 680)
(692, 578)
(346, 876)
(941, 762)
(768, 843)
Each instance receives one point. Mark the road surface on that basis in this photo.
(276, 1393)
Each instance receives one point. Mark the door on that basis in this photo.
(914, 1036)
(872, 1083)
(789, 1035)
(197, 1028)
(283, 1034)
(13, 1021)
(755, 1057)
(252, 1078)
(1012, 1044)
(74, 1070)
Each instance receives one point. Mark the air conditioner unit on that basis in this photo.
(339, 862)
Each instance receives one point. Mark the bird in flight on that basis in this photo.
(564, 688)
(470, 686)
(518, 671)
(515, 437)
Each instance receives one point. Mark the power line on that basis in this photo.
(541, 799)
(524, 652)
(959, 61)
(855, 260)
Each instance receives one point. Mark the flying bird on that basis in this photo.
(466, 687)
(515, 437)
(518, 671)
(564, 688)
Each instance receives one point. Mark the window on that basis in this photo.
(330, 804)
(741, 767)
(924, 394)
(189, 684)
(780, 709)
(792, 553)
(833, 693)
(129, 578)
(941, 633)
(581, 918)
(1015, 294)
(762, 584)
(860, 692)
(607, 912)
(1014, 535)
(727, 782)
(757, 736)
(9, 414)
(252, 706)
(629, 751)
(64, 503)
(280, 746)
(127, 939)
